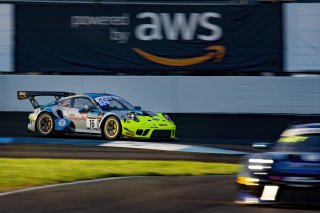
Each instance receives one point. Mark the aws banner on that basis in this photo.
(107, 38)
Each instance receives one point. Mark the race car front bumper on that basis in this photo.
(148, 130)
(269, 192)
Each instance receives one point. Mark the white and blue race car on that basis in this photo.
(97, 114)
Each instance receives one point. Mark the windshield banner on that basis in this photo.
(116, 37)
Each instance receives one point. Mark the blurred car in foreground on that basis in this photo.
(97, 114)
(287, 174)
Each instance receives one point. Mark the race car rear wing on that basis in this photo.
(32, 94)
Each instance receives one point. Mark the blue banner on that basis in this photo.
(84, 38)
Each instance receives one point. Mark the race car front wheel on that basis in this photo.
(112, 128)
(45, 124)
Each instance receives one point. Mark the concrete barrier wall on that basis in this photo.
(179, 94)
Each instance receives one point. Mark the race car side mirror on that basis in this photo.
(262, 145)
(137, 107)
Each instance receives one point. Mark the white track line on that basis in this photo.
(170, 147)
(64, 184)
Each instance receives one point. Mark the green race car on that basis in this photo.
(96, 113)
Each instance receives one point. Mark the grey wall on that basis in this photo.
(178, 94)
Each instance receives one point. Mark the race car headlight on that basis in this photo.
(167, 117)
(132, 116)
(259, 164)
(261, 160)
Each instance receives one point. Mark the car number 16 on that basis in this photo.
(92, 123)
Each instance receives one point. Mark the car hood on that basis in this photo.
(136, 112)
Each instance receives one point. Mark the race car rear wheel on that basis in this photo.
(112, 128)
(45, 124)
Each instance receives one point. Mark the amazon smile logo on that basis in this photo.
(215, 52)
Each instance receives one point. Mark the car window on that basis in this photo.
(115, 105)
(112, 103)
(81, 102)
(65, 103)
(299, 143)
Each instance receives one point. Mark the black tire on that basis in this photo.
(45, 124)
(112, 128)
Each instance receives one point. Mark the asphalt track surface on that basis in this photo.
(92, 152)
(25, 150)
(138, 194)
(204, 194)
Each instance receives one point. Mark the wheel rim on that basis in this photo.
(45, 124)
(111, 128)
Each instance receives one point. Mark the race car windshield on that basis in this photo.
(113, 103)
(300, 143)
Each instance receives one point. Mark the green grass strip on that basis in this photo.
(23, 173)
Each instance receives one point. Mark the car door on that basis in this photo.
(84, 121)
(63, 106)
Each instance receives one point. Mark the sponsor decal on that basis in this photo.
(62, 122)
(218, 55)
(161, 27)
(73, 117)
(92, 123)
(293, 139)
(83, 116)
(179, 26)
(103, 101)
(148, 37)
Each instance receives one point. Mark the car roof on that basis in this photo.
(95, 95)
(302, 129)
(309, 125)
(90, 95)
